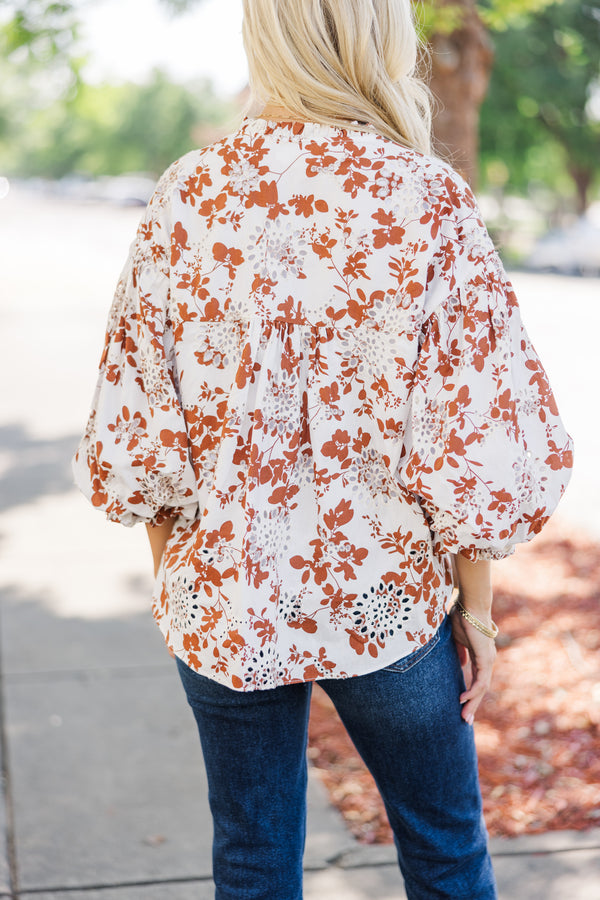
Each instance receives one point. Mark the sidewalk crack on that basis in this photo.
(116, 885)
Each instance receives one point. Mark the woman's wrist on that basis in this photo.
(487, 627)
(479, 605)
(475, 586)
(158, 536)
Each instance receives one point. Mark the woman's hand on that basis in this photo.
(477, 654)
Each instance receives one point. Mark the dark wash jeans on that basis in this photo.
(405, 722)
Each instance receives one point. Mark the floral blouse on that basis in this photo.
(315, 362)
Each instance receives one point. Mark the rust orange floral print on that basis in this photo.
(315, 362)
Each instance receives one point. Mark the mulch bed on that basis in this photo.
(538, 730)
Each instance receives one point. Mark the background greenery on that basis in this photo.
(540, 123)
(53, 124)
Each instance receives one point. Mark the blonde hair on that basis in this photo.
(339, 62)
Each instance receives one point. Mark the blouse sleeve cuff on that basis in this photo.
(127, 517)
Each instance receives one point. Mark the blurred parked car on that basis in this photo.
(125, 190)
(121, 190)
(569, 251)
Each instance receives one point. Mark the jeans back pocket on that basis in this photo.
(407, 662)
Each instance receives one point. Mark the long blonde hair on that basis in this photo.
(339, 62)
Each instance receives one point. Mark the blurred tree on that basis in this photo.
(43, 29)
(111, 129)
(462, 57)
(38, 44)
(461, 61)
(51, 123)
(545, 93)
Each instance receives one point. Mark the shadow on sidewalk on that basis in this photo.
(36, 467)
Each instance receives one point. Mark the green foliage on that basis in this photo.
(538, 118)
(51, 123)
(38, 40)
(502, 14)
(445, 16)
(111, 129)
(44, 29)
(431, 17)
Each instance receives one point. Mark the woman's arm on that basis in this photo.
(475, 594)
(158, 536)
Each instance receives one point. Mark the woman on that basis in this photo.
(316, 391)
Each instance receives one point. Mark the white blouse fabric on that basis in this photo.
(315, 362)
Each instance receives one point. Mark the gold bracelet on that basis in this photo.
(489, 632)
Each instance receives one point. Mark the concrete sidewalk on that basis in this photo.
(103, 788)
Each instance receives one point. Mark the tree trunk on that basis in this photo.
(461, 64)
(583, 177)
